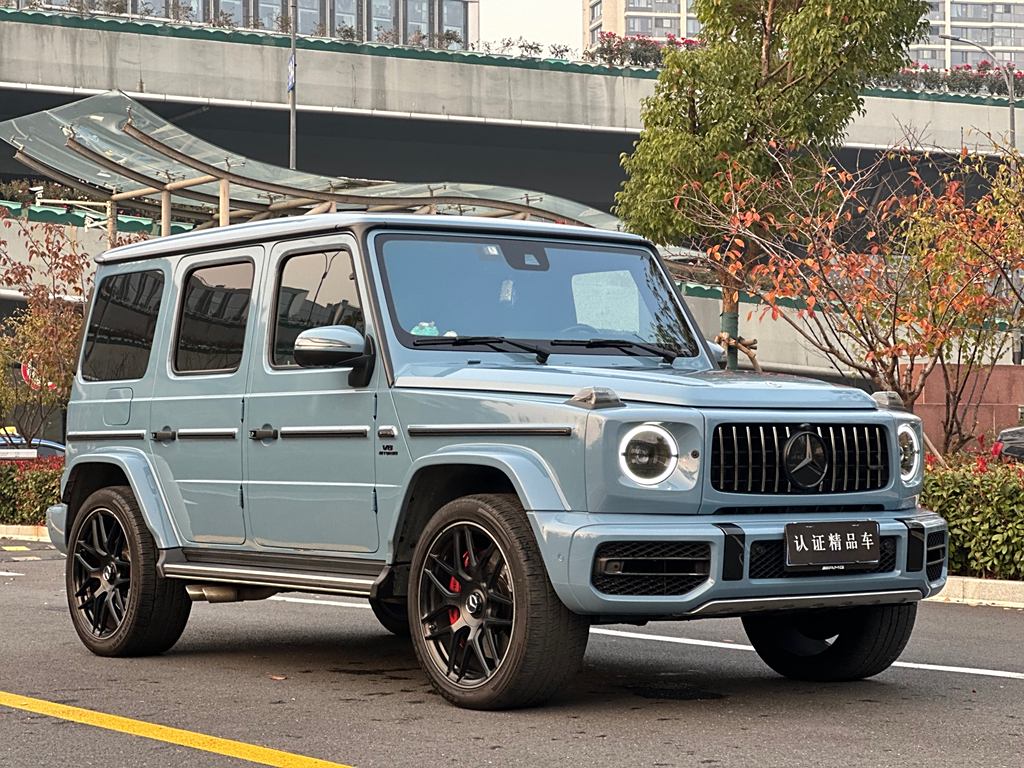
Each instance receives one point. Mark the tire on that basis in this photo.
(513, 645)
(394, 617)
(119, 605)
(832, 645)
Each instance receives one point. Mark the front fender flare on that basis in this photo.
(152, 491)
(532, 477)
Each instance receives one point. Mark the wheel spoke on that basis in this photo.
(464, 663)
(81, 561)
(471, 555)
(113, 534)
(95, 529)
(117, 607)
(497, 597)
(441, 564)
(98, 611)
(481, 657)
(447, 593)
(438, 633)
(436, 613)
(496, 621)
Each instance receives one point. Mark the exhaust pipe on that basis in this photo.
(223, 593)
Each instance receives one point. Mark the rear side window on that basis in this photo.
(214, 312)
(315, 289)
(119, 336)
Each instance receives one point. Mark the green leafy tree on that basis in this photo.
(771, 76)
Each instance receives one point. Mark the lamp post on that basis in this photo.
(293, 77)
(1007, 68)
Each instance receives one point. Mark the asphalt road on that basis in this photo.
(324, 680)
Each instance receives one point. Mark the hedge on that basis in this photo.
(27, 488)
(983, 501)
(981, 498)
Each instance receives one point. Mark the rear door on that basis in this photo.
(309, 434)
(196, 416)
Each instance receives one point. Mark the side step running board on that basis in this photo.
(335, 584)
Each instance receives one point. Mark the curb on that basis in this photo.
(24, 532)
(965, 590)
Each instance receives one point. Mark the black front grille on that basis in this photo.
(749, 458)
(768, 561)
(936, 557)
(651, 567)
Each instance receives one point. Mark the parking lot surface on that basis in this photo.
(317, 679)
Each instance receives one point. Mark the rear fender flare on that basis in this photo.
(154, 490)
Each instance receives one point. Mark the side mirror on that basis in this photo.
(332, 346)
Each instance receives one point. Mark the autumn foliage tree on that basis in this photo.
(769, 74)
(39, 343)
(892, 284)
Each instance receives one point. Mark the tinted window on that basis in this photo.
(120, 332)
(215, 307)
(315, 289)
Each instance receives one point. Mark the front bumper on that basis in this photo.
(569, 543)
(56, 522)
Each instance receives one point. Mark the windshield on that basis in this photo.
(530, 290)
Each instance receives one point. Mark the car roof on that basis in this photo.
(239, 234)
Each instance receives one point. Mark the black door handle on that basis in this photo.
(165, 435)
(263, 433)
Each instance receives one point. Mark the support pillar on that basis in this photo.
(165, 213)
(224, 203)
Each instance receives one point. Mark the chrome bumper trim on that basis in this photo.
(805, 602)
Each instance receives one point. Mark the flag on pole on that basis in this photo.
(291, 72)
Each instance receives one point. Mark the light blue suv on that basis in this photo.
(500, 433)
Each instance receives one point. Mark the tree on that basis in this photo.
(894, 284)
(39, 343)
(770, 74)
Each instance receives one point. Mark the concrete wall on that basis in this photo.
(393, 83)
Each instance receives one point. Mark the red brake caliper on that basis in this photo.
(454, 586)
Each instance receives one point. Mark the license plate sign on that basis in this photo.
(839, 546)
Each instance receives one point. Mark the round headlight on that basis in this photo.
(648, 454)
(910, 452)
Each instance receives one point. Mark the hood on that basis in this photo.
(663, 386)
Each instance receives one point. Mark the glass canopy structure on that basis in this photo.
(116, 150)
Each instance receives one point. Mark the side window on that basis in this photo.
(120, 331)
(607, 300)
(214, 310)
(314, 289)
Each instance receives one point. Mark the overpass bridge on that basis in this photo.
(403, 114)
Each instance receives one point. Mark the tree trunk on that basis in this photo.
(731, 323)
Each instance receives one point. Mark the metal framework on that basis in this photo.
(117, 151)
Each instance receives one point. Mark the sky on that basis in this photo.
(542, 21)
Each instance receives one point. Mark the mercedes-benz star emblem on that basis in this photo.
(805, 460)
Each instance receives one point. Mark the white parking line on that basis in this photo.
(705, 643)
(10, 573)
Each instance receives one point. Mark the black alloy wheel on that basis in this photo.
(466, 604)
(101, 572)
(120, 604)
(488, 628)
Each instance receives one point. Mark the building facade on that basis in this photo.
(435, 23)
(656, 19)
(997, 26)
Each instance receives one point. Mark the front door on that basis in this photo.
(196, 414)
(308, 433)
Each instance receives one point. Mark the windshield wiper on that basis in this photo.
(625, 345)
(494, 342)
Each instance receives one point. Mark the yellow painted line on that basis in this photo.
(15, 549)
(237, 749)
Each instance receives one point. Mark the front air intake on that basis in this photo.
(651, 567)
